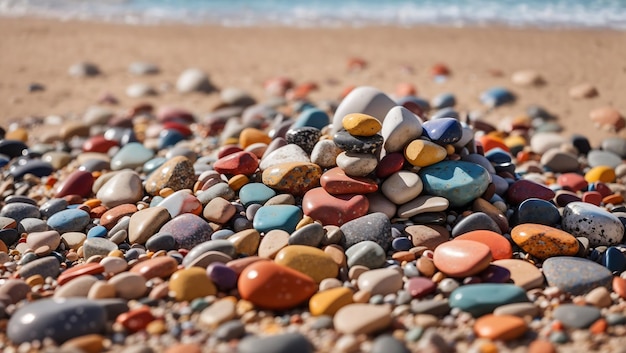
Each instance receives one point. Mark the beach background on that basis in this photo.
(243, 43)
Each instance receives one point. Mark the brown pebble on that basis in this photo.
(184, 348)
(541, 346)
(93, 343)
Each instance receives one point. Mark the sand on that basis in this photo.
(41, 51)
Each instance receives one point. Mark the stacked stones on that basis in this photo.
(378, 231)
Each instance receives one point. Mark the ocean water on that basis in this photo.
(333, 13)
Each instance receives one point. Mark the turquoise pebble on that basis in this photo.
(483, 298)
(284, 217)
(97, 232)
(131, 156)
(153, 164)
(255, 193)
(559, 337)
(312, 117)
(198, 304)
(458, 181)
(70, 220)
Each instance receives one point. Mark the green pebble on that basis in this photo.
(198, 304)
(414, 334)
(558, 337)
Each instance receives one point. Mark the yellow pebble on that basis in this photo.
(91, 203)
(422, 153)
(450, 149)
(19, 134)
(361, 124)
(515, 141)
(238, 181)
(601, 173)
(116, 253)
(488, 347)
(156, 327)
(35, 280)
(243, 306)
(230, 141)
(165, 192)
(304, 221)
(191, 283)
(250, 135)
(328, 302)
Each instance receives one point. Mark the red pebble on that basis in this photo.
(592, 197)
(78, 182)
(136, 319)
(572, 181)
(524, 189)
(390, 164)
(333, 209)
(98, 144)
(336, 182)
(89, 268)
(237, 163)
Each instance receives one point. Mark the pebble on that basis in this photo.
(544, 241)
(422, 153)
(329, 301)
(70, 220)
(308, 260)
(188, 230)
(575, 275)
(583, 91)
(538, 211)
(193, 80)
(124, 187)
(576, 316)
(523, 273)
(98, 246)
(458, 181)
(475, 221)
(361, 124)
(295, 178)
(499, 246)
(484, 298)
(400, 127)
(280, 343)
(523, 189)
(324, 154)
(607, 118)
(402, 187)
(336, 182)
(388, 344)
(375, 227)
(366, 253)
(381, 281)
(443, 130)
(462, 258)
(371, 318)
(330, 209)
(364, 100)
(592, 222)
(176, 173)
(48, 266)
(500, 327)
(423, 204)
(191, 283)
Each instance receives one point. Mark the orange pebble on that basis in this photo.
(92, 203)
(136, 319)
(489, 142)
(599, 326)
(614, 199)
(440, 69)
(238, 181)
(406, 89)
(251, 135)
(541, 346)
(557, 325)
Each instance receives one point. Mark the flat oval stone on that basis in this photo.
(89, 268)
(365, 100)
(336, 182)
(358, 144)
(361, 124)
(17, 211)
(576, 316)
(499, 246)
(146, 223)
(58, 319)
(128, 285)
(582, 219)
(475, 221)
(606, 158)
(48, 266)
(462, 258)
(77, 183)
(98, 246)
(601, 173)
(255, 193)
(242, 162)
(285, 154)
(311, 261)
(50, 239)
(523, 273)
(544, 241)
(500, 327)
(483, 298)
(525, 189)
(430, 236)
(443, 131)
(357, 164)
(423, 204)
(324, 153)
(161, 267)
(188, 229)
(217, 245)
(221, 311)
(538, 211)
(381, 281)
(280, 343)
(402, 187)
(375, 227)
(132, 155)
(71, 220)
(329, 301)
(366, 253)
(558, 161)
(272, 242)
(295, 178)
(246, 242)
(191, 283)
(275, 287)
(371, 318)
(310, 235)
(283, 217)
(122, 188)
(35, 167)
(330, 209)
(422, 153)
(574, 275)
(458, 181)
(177, 174)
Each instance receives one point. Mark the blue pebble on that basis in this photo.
(401, 244)
(614, 260)
(482, 298)
(444, 100)
(36, 167)
(443, 131)
(222, 234)
(312, 117)
(497, 96)
(458, 181)
(169, 137)
(284, 217)
(498, 156)
(538, 211)
(97, 232)
(70, 220)
(255, 193)
(153, 164)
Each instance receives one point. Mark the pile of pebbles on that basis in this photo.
(392, 226)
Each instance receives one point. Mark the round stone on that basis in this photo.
(462, 258)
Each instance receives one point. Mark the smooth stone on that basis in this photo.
(422, 204)
(527, 78)
(443, 131)
(255, 193)
(357, 164)
(597, 158)
(614, 260)
(523, 189)
(249, 136)
(543, 241)
(129, 285)
(191, 283)
(379, 203)
(558, 161)
(180, 202)
(143, 68)
(576, 316)
(311, 261)
(538, 211)
(499, 246)
(19, 211)
(224, 277)
(193, 80)
(218, 313)
(364, 100)
(375, 227)
(12, 148)
(422, 153)
(306, 137)
(399, 128)
(462, 258)
(242, 162)
(540, 143)
(272, 242)
(430, 236)
(110, 218)
(122, 188)
(284, 154)
(380, 281)
(324, 154)
(161, 241)
(70, 220)
(497, 96)
(430, 307)
(518, 309)
(389, 164)
(230, 330)
(336, 182)
(58, 319)
(139, 90)
(475, 221)
(73, 240)
(524, 274)
(372, 318)
(14, 290)
(444, 100)
(272, 286)
(219, 210)
(312, 117)
(309, 235)
(284, 217)
(458, 181)
(601, 173)
(328, 302)
(218, 245)
(77, 183)
(161, 267)
(402, 187)
(599, 297)
(75, 272)
(188, 229)
(420, 287)
(32, 225)
(358, 144)
(177, 174)
(574, 275)
(35, 167)
(361, 124)
(483, 298)
(246, 242)
(330, 209)
(486, 207)
(582, 219)
(500, 327)
(50, 239)
(48, 266)
(366, 253)
(280, 343)
(295, 178)
(131, 156)
(146, 223)
(114, 264)
(98, 246)
(616, 145)
(388, 344)
(52, 206)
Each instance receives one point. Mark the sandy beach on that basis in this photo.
(41, 51)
